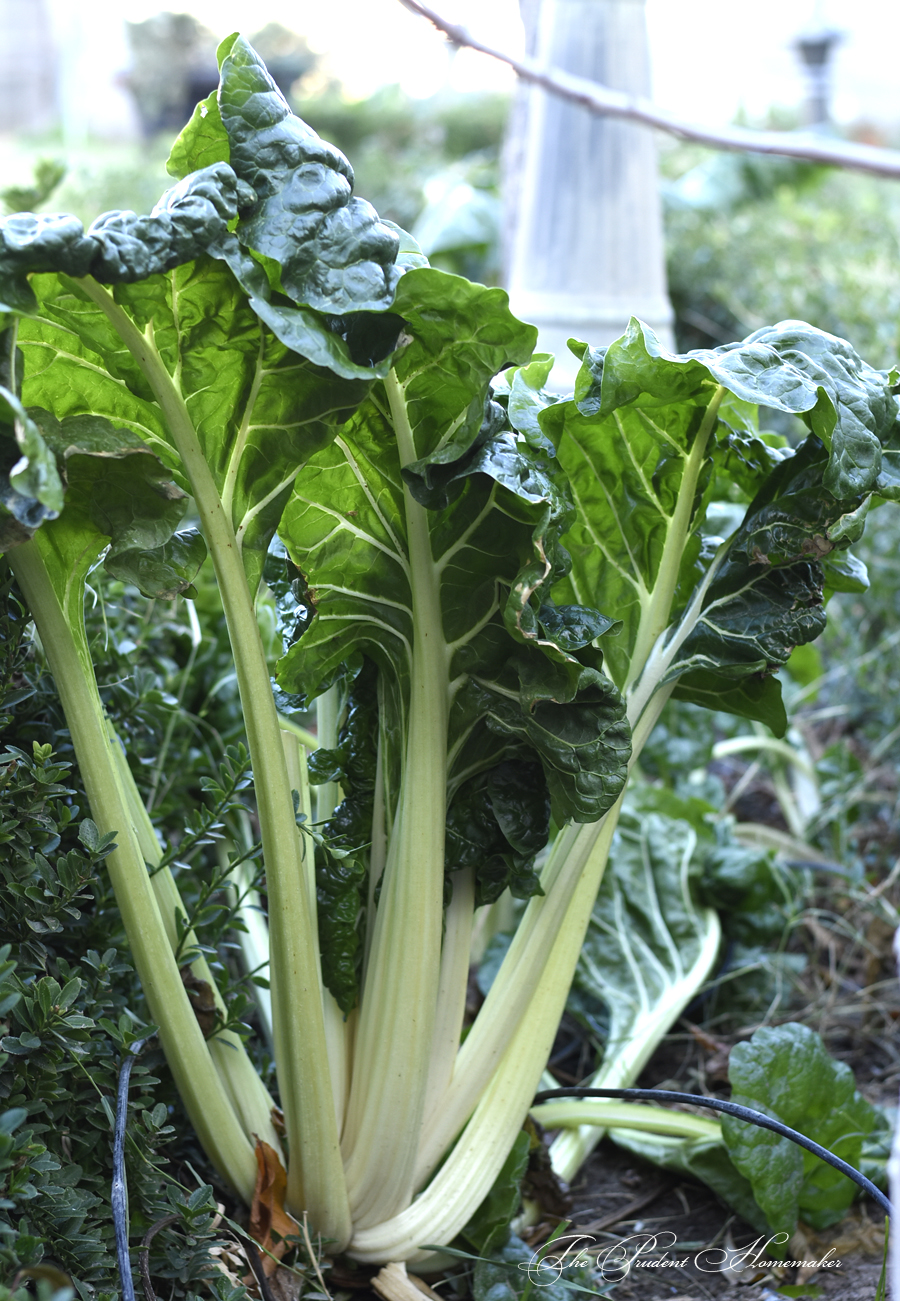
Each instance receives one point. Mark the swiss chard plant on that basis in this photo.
(496, 593)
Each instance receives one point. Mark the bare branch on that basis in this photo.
(634, 108)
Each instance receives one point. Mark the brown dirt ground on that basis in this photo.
(614, 1179)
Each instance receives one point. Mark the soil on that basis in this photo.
(702, 1232)
(622, 1203)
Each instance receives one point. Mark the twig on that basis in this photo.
(885, 884)
(119, 1192)
(144, 1253)
(257, 1268)
(615, 1217)
(635, 108)
(313, 1257)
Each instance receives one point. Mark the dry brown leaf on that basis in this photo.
(267, 1214)
(285, 1284)
(202, 1000)
(858, 1233)
(804, 1246)
(707, 1041)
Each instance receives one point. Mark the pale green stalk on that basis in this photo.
(195, 1076)
(328, 705)
(611, 1114)
(468, 1173)
(579, 853)
(336, 1028)
(652, 657)
(254, 940)
(253, 1104)
(397, 1010)
(516, 990)
(454, 980)
(315, 1176)
(490, 919)
(377, 850)
(298, 778)
(303, 736)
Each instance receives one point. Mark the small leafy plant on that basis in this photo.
(496, 593)
(64, 1024)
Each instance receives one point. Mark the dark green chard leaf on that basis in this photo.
(303, 242)
(259, 409)
(768, 593)
(260, 405)
(119, 500)
(345, 528)
(31, 490)
(117, 486)
(498, 822)
(520, 389)
(628, 443)
(119, 247)
(341, 866)
(786, 1072)
(329, 249)
(30, 486)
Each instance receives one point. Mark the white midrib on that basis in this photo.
(655, 612)
(398, 1007)
(243, 434)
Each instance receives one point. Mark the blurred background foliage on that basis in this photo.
(753, 240)
(750, 239)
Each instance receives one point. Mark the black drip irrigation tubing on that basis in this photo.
(119, 1192)
(731, 1109)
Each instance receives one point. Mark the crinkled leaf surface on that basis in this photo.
(515, 1270)
(332, 252)
(341, 865)
(786, 1072)
(119, 247)
(637, 544)
(264, 377)
(118, 499)
(31, 489)
(492, 545)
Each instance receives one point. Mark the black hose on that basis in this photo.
(119, 1192)
(731, 1109)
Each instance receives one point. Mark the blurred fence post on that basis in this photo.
(27, 67)
(585, 242)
